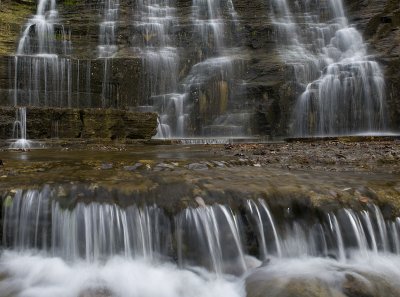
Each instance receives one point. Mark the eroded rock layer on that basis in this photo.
(269, 90)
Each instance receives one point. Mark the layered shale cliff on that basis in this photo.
(268, 88)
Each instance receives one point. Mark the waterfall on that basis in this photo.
(342, 88)
(107, 48)
(103, 248)
(42, 74)
(209, 236)
(212, 85)
(45, 73)
(19, 130)
(154, 39)
(92, 232)
(203, 102)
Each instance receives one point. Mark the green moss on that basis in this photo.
(13, 16)
(71, 2)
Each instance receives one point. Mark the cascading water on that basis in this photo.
(19, 131)
(212, 236)
(203, 103)
(45, 73)
(42, 74)
(343, 89)
(108, 48)
(102, 244)
(154, 40)
(212, 86)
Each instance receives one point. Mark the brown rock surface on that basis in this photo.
(270, 89)
(109, 124)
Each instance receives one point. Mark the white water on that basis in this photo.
(343, 88)
(378, 274)
(40, 276)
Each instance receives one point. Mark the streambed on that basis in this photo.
(205, 220)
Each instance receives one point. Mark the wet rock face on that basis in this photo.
(349, 283)
(379, 21)
(81, 123)
(270, 89)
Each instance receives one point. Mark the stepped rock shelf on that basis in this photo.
(157, 56)
(87, 123)
(109, 183)
(328, 210)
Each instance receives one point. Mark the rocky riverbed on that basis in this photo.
(337, 155)
(323, 175)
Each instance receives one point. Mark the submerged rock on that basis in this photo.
(106, 166)
(134, 167)
(197, 166)
(296, 287)
(97, 292)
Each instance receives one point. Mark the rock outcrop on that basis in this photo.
(270, 89)
(43, 123)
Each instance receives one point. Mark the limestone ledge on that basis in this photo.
(113, 124)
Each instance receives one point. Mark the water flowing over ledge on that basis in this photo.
(103, 249)
(217, 237)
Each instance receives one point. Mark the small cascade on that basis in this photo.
(337, 235)
(43, 69)
(213, 92)
(342, 88)
(93, 232)
(206, 102)
(154, 40)
(265, 226)
(19, 131)
(108, 48)
(85, 236)
(215, 237)
(210, 236)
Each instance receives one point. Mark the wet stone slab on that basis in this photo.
(325, 176)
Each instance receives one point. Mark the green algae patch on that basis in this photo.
(13, 16)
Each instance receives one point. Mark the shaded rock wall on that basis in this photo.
(270, 89)
(81, 123)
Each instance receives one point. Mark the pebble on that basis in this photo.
(200, 201)
(164, 166)
(106, 166)
(197, 166)
(134, 167)
(219, 164)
